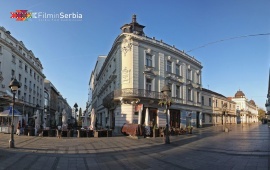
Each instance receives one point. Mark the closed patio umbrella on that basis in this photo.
(147, 127)
(93, 120)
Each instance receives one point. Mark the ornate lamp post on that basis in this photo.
(14, 86)
(224, 109)
(167, 102)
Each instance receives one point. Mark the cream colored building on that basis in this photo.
(128, 86)
(246, 109)
(217, 109)
(16, 61)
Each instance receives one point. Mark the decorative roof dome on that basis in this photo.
(252, 102)
(239, 94)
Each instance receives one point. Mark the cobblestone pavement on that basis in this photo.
(244, 147)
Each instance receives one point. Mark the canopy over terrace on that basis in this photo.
(5, 119)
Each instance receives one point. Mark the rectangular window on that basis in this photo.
(0, 65)
(210, 118)
(203, 117)
(210, 102)
(189, 74)
(12, 73)
(148, 60)
(30, 72)
(202, 100)
(13, 59)
(216, 103)
(177, 71)
(0, 49)
(198, 97)
(20, 64)
(29, 99)
(198, 79)
(20, 77)
(25, 80)
(149, 84)
(169, 66)
(189, 95)
(25, 68)
(177, 91)
(38, 78)
(34, 75)
(24, 97)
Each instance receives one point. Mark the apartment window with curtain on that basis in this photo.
(149, 84)
(149, 60)
(169, 66)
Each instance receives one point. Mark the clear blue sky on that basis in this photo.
(68, 50)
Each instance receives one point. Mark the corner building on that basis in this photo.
(128, 85)
(16, 61)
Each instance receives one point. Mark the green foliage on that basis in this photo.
(164, 102)
(261, 114)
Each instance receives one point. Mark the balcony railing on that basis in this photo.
(137, 93)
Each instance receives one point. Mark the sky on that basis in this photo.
(68, 50)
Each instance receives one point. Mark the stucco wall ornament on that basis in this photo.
(127, 45)
(125, 75)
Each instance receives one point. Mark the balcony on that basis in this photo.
(142, 93)
(135, 95)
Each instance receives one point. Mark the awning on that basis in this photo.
(8, 112)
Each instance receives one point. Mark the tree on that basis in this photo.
(80, 117)
(261, 114)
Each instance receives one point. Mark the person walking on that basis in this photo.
(18, 128)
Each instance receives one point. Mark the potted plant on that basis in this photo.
(189, 129)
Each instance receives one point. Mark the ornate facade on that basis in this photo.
(217, 109)
(16, 61)
(247, 111)
(128, 85)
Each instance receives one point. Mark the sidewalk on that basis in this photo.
(244, 147)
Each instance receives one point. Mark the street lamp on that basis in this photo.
(167, 102)
(14, 86)
(224, 109)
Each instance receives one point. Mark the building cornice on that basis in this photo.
(14, 50)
